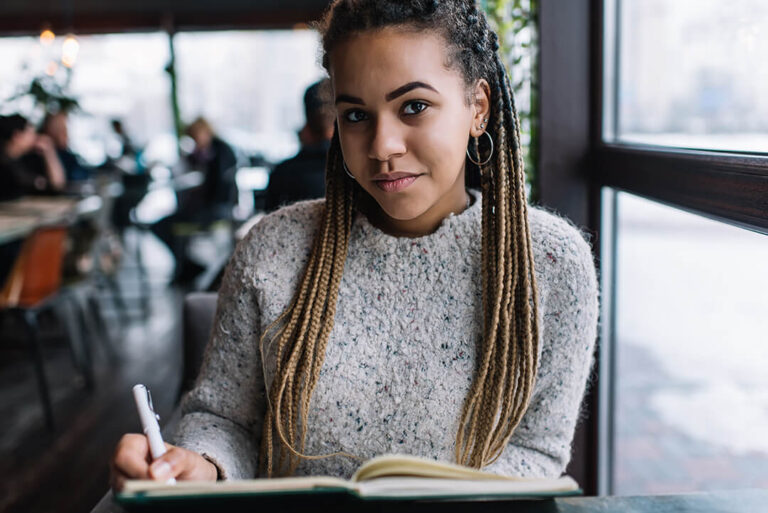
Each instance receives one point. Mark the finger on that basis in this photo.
(198, 468)
(117, 481)
(182, 464)
(169, 465)
(131, 456)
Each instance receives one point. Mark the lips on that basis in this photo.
(395, 181)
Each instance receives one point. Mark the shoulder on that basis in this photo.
(563, 259)
(223, 146)
(554, 236)
(281, 170)
(286, 233)
(6, 165)
(303, 163)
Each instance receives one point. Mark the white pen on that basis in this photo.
(149, 422)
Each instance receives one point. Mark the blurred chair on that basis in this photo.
(32, 287)
(135, 188)
(202, 218)
(90, 275)
(197, 320)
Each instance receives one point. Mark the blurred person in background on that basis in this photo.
(203, 205)
(216, 160)
(303, 176)
(127, 148)
(55, 126)
(29, 163)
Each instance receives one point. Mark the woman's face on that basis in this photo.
(56, 128)
(22, 141)
(404, 122)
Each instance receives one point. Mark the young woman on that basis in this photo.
(404, 313)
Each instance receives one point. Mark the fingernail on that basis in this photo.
(161, 470)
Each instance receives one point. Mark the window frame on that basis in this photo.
(577, 165)
(730, 186)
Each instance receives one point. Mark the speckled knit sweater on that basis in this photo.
(400, 358)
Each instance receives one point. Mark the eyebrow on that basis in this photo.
(410, 86)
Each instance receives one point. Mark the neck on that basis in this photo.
(454, 203)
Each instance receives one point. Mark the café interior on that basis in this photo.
(160, 127)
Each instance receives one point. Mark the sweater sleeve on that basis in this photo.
(541, 444)
(224, 412)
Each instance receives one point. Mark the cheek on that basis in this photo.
(442, 146)
(29, 141)
(352, 148)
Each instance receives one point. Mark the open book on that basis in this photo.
(385, 477)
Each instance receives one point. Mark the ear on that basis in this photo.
(481, 108)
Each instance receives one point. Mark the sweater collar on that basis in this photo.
(455, 226)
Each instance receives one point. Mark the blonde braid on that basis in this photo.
(508, 356)
(302, 338)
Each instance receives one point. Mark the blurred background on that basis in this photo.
(644, 121)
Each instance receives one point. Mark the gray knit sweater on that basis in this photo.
(400, 358)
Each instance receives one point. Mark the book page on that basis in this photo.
(424, 487)
(403, 465)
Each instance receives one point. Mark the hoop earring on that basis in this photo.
(478, 147)
(346, 170)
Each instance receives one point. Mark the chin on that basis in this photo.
(403, 213)
(405, 207)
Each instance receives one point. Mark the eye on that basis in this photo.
(354, 116)
(414, 107)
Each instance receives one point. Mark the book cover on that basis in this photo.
(384, 478)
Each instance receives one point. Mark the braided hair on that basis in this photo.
(508, 354)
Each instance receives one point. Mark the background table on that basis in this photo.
(20, 217)
(13, 227)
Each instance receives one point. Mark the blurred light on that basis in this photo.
(46, 37)
(69, 51)
(51, 68)
(187, 144)
(300, 26)
(252, 178)
(156, 204)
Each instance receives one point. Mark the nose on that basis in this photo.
(387, 140)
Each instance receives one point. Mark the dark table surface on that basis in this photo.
(738, 501)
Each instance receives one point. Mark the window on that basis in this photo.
(681, 122)
(692, 73)
(105, 81)
(691, 403)
(250, 85)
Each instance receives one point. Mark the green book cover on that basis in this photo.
(383, 479)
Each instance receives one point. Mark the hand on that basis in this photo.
(44, 144)
(132, 460)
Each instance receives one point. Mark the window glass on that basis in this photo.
(691, 352)
(692, 73)
(112, 76)
(250, 85)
